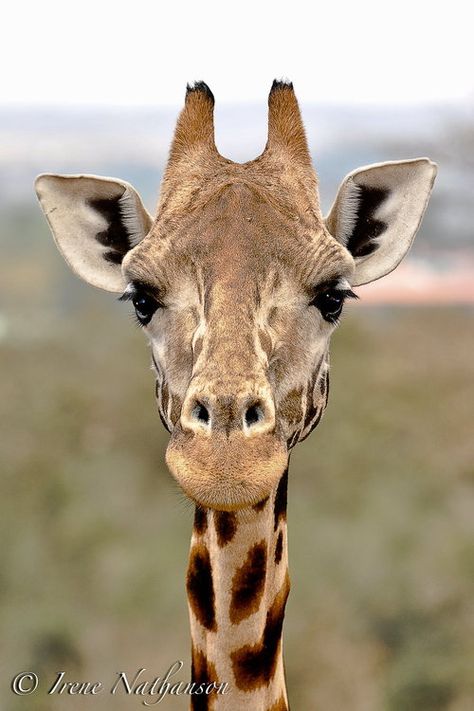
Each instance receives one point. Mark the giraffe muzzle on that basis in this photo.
(225, 452)
(226, 472)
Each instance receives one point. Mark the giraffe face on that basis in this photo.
(242, 301)
(239, 283)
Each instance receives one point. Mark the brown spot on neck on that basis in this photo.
(200, 520)
(281, 499)
(255, 665)
(226, 526)
(260, 505)
(200, 588)
(248, 584)
(202, 672)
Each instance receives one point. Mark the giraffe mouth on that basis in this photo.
(226, 473)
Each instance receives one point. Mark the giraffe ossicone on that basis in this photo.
(238, 282)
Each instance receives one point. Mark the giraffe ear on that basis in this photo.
(377, 213)
(95, 222)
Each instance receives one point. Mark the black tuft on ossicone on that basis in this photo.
(200, 86)
(279, 84)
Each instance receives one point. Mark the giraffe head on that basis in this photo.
(238, 283)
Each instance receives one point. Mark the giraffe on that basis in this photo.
(238, 282)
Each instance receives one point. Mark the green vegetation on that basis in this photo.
(95, 535)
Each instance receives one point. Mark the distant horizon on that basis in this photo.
(466, 102)
(132, 142)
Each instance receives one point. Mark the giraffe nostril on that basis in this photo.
(201, 413)
(210, 414)
(253, 414)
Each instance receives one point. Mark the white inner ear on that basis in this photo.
(132, 217)
(408, 186)
(347, 207)
(69, 203)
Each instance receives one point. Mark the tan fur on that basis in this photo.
(196, 171)
(234, 256)
(235, 634)
(235, 251)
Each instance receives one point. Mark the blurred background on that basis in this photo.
(94, 535)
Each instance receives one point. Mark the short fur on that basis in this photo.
(235, 262)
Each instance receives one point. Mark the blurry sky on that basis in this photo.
(144, 51)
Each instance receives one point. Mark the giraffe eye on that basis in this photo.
(145, 306)
(330, 302)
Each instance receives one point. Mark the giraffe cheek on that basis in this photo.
(169, 405)
(291, 413)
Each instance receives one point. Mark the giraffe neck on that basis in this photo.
(237, 586)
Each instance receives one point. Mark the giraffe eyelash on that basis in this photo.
(345, 292)
(136, 288)
(128, 294)
(348, 294)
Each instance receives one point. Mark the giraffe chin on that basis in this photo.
(226, 473)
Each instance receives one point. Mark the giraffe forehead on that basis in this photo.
(237, 241)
